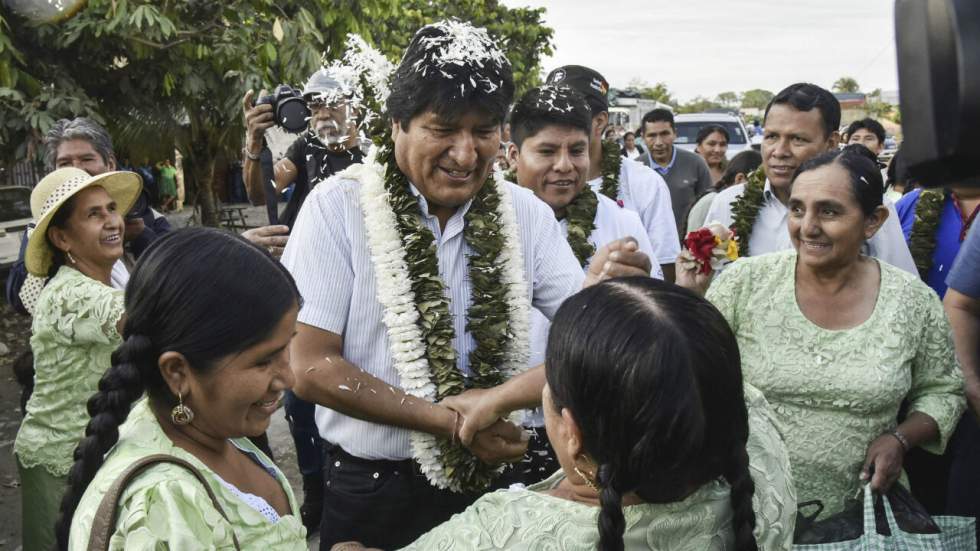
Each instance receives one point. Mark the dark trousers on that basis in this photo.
(306, 436)
(963, 495)
(384, 504)
(539, 462)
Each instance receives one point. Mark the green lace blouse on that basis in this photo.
(73, 336)
(528, 519)
(167, 508)
(833, 392)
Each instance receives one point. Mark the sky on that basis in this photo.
(703, 47)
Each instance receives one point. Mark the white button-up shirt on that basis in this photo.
(645, 192)
(770, 232)
(329, 258)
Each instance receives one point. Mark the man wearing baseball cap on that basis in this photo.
(629, 183)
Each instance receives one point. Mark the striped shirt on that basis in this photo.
(328, 255)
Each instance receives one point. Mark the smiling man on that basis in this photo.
(418, 271)
(800, 123)
(550, 128)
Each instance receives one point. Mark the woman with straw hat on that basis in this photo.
(77, 238)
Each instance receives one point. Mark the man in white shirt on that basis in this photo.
(364, 352)
(550, 128)
(638, 187)
(800, 123)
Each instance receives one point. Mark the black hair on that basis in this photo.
(187, 294)
(804, 96)
(743, 163)
(652, 375)
(421, 82)
(59, 220)
(548, 106)
(868, 124)
(710, 129)
(657, 115)
(629, 134)
(898, 173)
(861, 165)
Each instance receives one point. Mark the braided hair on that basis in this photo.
(187, 295)
(652, 375)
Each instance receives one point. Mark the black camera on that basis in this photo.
(288, 107)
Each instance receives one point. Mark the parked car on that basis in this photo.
(688, 126)
(15, 215)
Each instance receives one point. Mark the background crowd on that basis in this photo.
(485, 330)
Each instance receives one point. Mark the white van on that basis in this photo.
(688, 126)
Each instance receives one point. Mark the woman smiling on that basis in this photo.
(211, 354)
(77, 239)
(837, 340)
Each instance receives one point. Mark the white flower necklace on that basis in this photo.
(445, 464)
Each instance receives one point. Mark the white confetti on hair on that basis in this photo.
(462, 45)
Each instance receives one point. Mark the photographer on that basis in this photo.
(328, 146)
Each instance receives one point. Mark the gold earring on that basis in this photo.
(181, 415)
(70, 257)
(587, 479)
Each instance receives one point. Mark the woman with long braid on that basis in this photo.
(645, 409)
(208, 345)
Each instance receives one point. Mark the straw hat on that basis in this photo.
(56, 188)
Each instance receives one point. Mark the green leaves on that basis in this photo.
(745, 209)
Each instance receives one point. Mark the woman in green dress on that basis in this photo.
(77, 239)
(209, 348)
(660, 446)
(837, 340)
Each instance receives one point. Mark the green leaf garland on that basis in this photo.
(745, 209)
(922, 239)
(487, 318)
(612, 161)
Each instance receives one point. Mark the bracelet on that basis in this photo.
(455, 437)
(901, 440)
(251, 156)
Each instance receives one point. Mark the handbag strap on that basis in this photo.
(104, 522)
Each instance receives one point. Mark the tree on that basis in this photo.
(165, 74)
(521, 32)
(756, 98)
(877, 108)
(728, 99)
(658, 91)
(846, 84)
(698, 105)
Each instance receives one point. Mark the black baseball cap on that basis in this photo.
(585, 81)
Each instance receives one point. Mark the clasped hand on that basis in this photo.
(490, 438)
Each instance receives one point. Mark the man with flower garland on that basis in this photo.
(633, 185)
(418, 271)
(550, 129)
(800, 122)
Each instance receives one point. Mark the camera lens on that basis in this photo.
(292, 114)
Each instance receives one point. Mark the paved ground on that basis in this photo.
(14, 333)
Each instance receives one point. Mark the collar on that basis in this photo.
(663, 170)
(424, 203)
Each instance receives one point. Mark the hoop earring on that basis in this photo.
(585, 477)
(181, 415)
(70, 257)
